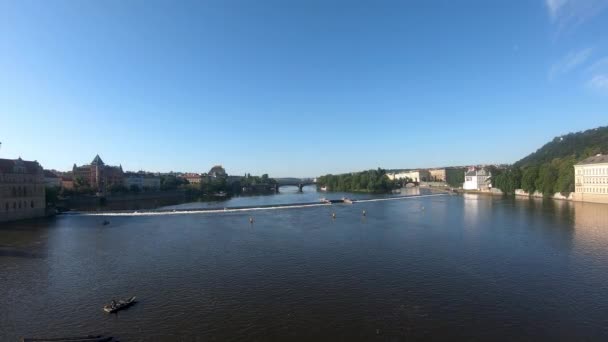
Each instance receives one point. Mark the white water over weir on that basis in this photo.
(232, 210)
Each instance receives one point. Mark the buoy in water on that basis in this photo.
(333, 215)
(251, 220)
(364, 212)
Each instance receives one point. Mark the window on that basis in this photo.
(14, 205)
(32, 204)
(6, 206)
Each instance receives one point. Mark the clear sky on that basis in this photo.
(297, 88)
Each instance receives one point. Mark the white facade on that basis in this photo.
(591, 177)
(477, 179)
(416, 176)
(193, 178)
(133, 179)
(142, 180)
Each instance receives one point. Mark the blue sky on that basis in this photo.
(297, 88)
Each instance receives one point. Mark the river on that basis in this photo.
(447, 267)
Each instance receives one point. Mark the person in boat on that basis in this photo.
(113, 304)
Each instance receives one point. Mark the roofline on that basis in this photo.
(581, 164)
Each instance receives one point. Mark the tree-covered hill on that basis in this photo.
(551, 168)
(579, 145)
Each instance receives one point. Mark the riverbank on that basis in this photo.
(493, 192)
(572, 197)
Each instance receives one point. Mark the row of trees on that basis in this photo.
(547, 178)
(365, 181)
(231, 186)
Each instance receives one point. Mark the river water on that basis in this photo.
(444, 267)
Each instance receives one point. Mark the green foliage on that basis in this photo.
(577, 145)
(551, 168)
(507, 180)
(81, 187)
(454, 177)
(528, 179)
(547, 177)
(365, 181)
(249, 180)
(117, 189)
(214, 185)
(52, 195)
(565, 177)
(171, 182)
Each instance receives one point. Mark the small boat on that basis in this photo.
(120, 305)
(347, 200)
(105, 222)
(324, 200)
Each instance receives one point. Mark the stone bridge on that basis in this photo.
(299, 182)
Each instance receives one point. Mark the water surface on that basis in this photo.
(430, 268)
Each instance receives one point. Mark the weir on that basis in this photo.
(244, 208)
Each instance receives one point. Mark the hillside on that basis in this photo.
(578, 145)
(551, 168)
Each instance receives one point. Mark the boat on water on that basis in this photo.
(347, 200)
(324, 200)
(119, 305)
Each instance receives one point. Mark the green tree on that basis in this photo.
(51, 195)
(171, 182)
(365, 181)
(507, 180)
(565, 177)
(528, 179)
(547, 177)
(117, 188)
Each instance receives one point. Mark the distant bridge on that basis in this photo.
(299, 182)
(405, 183)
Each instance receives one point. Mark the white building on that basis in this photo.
(591, 179)
(415, 175)
(477, 179)
(194, 178)
(141, 180)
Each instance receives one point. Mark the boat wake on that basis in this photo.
(397, 198)
(159, 212)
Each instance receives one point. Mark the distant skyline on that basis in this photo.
(297, 88)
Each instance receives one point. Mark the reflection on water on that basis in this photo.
(591, 226)
(432, 268)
